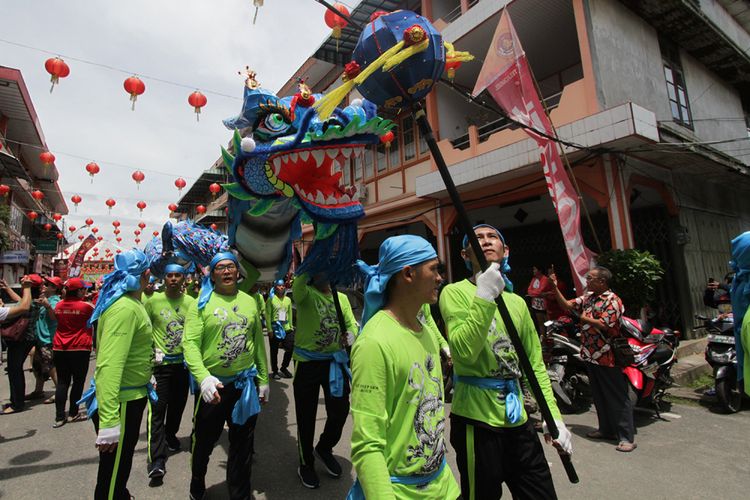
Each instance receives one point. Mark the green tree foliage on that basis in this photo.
(635, 274)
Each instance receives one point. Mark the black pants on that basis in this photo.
(114, 467)
(309, 376)
(614, 409)
(287, 344)
(17, 352)
(172, 386)
(208, 423)
(488, 458)
(70, 365)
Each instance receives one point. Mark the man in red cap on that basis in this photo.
(71, 349)
(44, 329)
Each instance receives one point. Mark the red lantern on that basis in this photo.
(117, 231)
(93, 169)
(89, 221)
(118, 239)
(387, 138)
(142, 225)
(33, 215)
(137, 240)
(172, 207)
(72, 229)
(56, 217)
(337, 22)
(94, 230)
(37, 195)
(200, 209)
(138, 177)
(137, 232)
(47, 226)
(59, 236)
(135, 87)
(197, 101)
(57, 68)
(155, 233)
(180, 183)
(141, 205)
(110, 203)
(215, 189)
(451, 67)
(47, 158)
(99, 238)
(76, 200)
(116, 223)
(118, 251)
(214, 227)
(4, 190)
(80, 237)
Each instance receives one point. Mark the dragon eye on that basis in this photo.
(273, 124)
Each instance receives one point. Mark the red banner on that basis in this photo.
(76, 260)
(507, 77)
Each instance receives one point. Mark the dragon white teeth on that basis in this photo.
(319, 199)
(302, 193)
(293, 157)
(330, 200)
(347, 152)
(332, 153)
(304, 155)
(345, 199)
(277, 165)
(336, 167)
(310, 196)
(319, 156)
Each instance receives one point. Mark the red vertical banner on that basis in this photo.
(76, 260)
(507, 77)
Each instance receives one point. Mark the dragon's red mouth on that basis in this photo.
(315, 174)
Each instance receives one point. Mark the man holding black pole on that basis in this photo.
(490, 431)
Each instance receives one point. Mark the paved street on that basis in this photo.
(692, 453)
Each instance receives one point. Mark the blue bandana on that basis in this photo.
(125, 278)
(207, 287)
(174, 268)
(740, 293)
(504, 265)
(395, 253)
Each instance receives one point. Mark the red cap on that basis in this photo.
(35, 279)
(76, 284)
(55, 280)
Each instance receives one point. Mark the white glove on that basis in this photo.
(264, 392)
(563, 439)
(348, 339)
(158, 356)
(108, 435)
(209, 388)
(490, 283)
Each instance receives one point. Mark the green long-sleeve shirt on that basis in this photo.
(168, 320)
(317, 322)
(260, 303)
(398, 411)
(123, 357)
(277, 308)
(224, 338)
(426, 313)
(481, 348)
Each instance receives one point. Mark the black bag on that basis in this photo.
(623, 353)
(14, 330)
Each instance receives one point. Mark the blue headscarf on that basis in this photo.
(504, 265)
(125, 278)
(207, 287)
(740, 292)
(174, 268)
(395, 253)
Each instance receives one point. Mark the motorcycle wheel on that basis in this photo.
(730, 395)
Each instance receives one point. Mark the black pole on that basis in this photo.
(343, 16)
(463, 220)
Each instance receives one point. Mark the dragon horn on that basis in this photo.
(227, 157)
(237, 141)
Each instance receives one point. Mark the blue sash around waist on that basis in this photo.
(357, 493)
(92, 405)
(248, 404)
(340, 362)
(507, 388)
(174, 358)
(278, 329)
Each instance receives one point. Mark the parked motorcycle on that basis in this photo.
(722, 356)
(654, 352)
(561, 351)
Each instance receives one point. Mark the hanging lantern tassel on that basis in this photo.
(135, 87)
(337, 21)
(258, 4)
(197, 100)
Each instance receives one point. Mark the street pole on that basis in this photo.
(463, 220)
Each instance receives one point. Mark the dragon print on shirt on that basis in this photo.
(505, 354)
(328, 332)
(429, 419)
(174, 328)
(233, 335)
